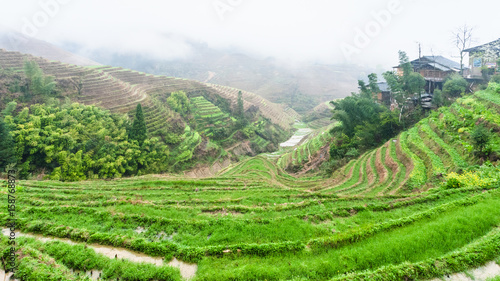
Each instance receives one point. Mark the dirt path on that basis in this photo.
(406, 161)
(381, 171)
(370, 176)
(390, 163)
(211, 75)
(316, 160)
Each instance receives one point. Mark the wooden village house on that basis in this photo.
(434, 69)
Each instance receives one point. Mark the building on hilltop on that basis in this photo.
(483, 58)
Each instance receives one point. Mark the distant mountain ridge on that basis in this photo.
(274, 80)
(301, 86)
(18, 42)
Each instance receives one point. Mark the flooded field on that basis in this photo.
(188, 271)
(297, 137)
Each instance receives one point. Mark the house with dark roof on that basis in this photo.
(481, 57)
(434, 69)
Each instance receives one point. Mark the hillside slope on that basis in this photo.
(18, 42)
(214, 107)
(417, 207)
(299, 85)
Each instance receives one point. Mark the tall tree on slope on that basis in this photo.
(139, 130)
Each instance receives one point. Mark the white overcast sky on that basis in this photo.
(291, 30)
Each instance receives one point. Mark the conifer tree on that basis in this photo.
(240, 109)
(139, 131)
(240, 112)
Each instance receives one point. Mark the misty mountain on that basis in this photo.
(301, 86)
(18, 42)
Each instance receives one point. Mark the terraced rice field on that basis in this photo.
(120, 90)
(384, 216)
(208, 115)
(251, 222)
(305, 147)
(278, 114)
(320, 123)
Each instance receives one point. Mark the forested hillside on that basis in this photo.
(188, 123)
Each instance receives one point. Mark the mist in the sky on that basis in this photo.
(368, 32)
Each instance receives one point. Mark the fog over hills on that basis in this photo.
(269, 77)
(289, 83)
(15, 41)
(279, 49)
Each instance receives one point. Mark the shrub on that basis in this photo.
(485, 176)
(453, 183)
(495, 85)
(495, 78)
(455, 85)
(352, 152)
(437, 99)
(480, 138)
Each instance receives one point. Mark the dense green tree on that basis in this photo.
(407, 85)
(414, 84)
(179, 102)
(75, 142)
(388, 125)
(10, 108)
(455, 85)
(437, 99)
(139, 130)
(240, 113)
(354, 111)
(363, 122)
(38, 83)
(480, 137)
(7, 146)
(340, 147)
(496, 78)
(371, 90)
